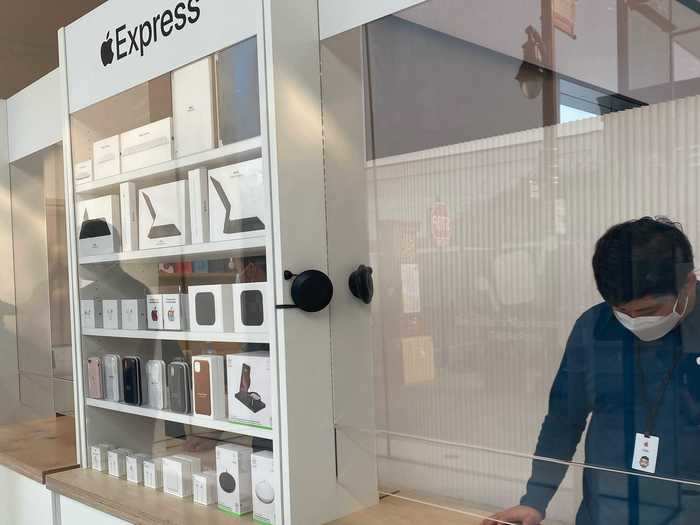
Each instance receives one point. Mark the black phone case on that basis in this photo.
(132, 381)
(179, 379)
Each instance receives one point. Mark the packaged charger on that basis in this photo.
(106, 156)
(128, 200)
(211, 308)
(134, 468)
(194, 116)
(134, 314)
(208, 386)
(147, 146)
(199, 204)
(91, 313)
(98, 457)
(111, 314)
(234, 484)
(82, 172)
(177, 474)
(154, 306)
(264, 487)
(116, 459)
(153, 473)
(204, 488)
(250, 388)
(100, 225)
(175, 311)
(249, 308)
(164, 215)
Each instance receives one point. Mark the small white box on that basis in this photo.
(100, 226)
(153, 473)
(249, 388)
(134, 468)
(107, 158)
(209, 386)
(111, 314)
(147, 146)
(117, 462)
(234, 484)
(134, 314)
(157, 384)
(175, 311)
(98, 457)
(236, 200)
(211, 308)
(177, 475)
(164, 215)
(91, 313)
(199, 204)
(82, 172)
(128, 199)
(250, 308)
(204, 488)
(193, 108)
(154, 311)
(264, 486)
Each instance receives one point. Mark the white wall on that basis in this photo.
(23, 501)
(337, 16)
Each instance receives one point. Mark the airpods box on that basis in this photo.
(153, 473)
(134, 314)
(204, 488)
(98, 457)
(175, 311)
(107, 158)
(82, 172)
(128, 200)
(233, 479)
(211, 308)
(236, 200)
(250, 308)
(164, 215)
(116, 460)
(264, 486)
(91, 313)
(147, 146)
(199, 205)
(100, 225)
(193, 108)
(111, 314)
(250, 389)
(154, 312)
(134, 468)
(177, 475)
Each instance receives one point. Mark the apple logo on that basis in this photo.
(106, 51)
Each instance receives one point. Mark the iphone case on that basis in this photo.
(179, 387)
(132, 380)
(95, 383)
(113, 379)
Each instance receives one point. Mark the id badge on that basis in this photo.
(646, 451)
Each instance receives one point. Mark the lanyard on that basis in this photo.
(653, 409)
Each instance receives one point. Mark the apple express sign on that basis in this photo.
(124, 42)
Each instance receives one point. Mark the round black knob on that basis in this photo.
(362, 284)
(312, 291)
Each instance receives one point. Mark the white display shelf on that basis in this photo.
(186, 419)
(167, 335)
(232, 153)
(245, 244)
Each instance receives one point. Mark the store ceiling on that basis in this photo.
(28, 40)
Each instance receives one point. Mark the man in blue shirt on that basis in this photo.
(632, 364)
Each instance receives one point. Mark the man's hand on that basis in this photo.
(521, 514)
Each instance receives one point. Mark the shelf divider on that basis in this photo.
(166, 335)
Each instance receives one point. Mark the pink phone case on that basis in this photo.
(95, 390)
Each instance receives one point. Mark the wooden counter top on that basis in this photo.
(37, 448)
(134, 503)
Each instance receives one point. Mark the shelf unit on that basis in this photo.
(186, 419)
(164, 335)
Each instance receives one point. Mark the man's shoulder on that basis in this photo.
(595, 317)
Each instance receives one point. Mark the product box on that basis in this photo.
(98, 457)
(154, 312)
(250, 388)
(100, 225)
(129, 215)
(106, 157)
(134, 468)
(147, 146)
(193, 108)
(199, 205)
(111, 314)
(264, 486)
(204, 488)
(134, 314)
(175, 311)
(236, 200)
(211, 308)
(208, 386)
(116, 460)
(157, 384)
(164, 215)
(234, 484)
(82, 172)
(114, 377)
(153, 473)
(177, 475)
(91, 313)
(250, 308)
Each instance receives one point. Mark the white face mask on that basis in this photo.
(651, 328)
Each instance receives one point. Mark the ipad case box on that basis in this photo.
(106, 158)
(249, 388)
(164, 215)
(194, 117)
(100, 225)
(208, 386)
(147, 146)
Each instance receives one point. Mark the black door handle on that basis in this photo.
(362, 284)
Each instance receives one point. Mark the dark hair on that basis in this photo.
(649, 256)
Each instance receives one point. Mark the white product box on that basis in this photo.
(264, 487)
(236, 200)
(234, 484)
(111, 314)
(177, 475)
(114, 378)
(117, 462)
(134, 468)
(209, 386)
(175, 311)
(100, 226)
(211, 308)
(157, 384)
(128, 199)
(204, 488)
(107, 158)
(249, 388)
(154, 311)
(148, 145)
(250, 308)
(82, 172)
(153, 473)
(91, 313)
(98, 457)
(164, 215)
(193, 108)
(199, 205)
(134, 314)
